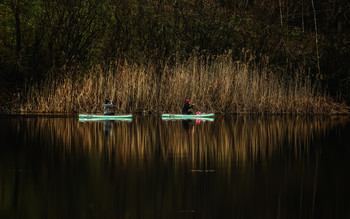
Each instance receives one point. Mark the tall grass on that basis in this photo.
(214, 85)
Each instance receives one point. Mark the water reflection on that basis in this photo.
(107, 127)
(241, 166)
(187, 125)
(107, 124)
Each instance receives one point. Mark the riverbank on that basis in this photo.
(220, 86)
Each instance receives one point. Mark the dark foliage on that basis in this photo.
(39, 38)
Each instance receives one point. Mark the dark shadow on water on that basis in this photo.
(232, 167)
(107, 127)
(187, 125)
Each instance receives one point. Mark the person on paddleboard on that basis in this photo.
(187, 107)
(108, 107)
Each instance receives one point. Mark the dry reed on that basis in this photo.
(216, 85)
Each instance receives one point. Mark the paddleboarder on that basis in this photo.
(108, 107)
(187, 107)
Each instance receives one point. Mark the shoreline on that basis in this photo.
(140, 114)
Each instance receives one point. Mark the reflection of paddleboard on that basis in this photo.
(90, 117)
(184, 116)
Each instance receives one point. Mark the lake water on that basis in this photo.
(232, 167)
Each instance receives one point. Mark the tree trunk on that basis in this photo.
(281, 15)
(302, 17)
(15, 10)
(319, 76)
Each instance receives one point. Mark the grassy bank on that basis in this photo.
(223, 86)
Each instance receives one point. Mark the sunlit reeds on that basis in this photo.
(214, 85)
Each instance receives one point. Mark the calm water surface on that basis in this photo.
(232, 167)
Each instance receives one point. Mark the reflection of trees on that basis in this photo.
(75, 164)
(237, 139)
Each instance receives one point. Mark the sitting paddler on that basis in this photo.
(187, 107)
(108, 107)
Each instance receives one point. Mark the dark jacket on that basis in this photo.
(108, 109)
(186, 108)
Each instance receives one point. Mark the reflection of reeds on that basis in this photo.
(220, 86)
(235, 140)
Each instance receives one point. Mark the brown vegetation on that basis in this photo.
(213, 84)
(39, 39)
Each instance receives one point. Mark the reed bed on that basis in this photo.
(214, 85)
